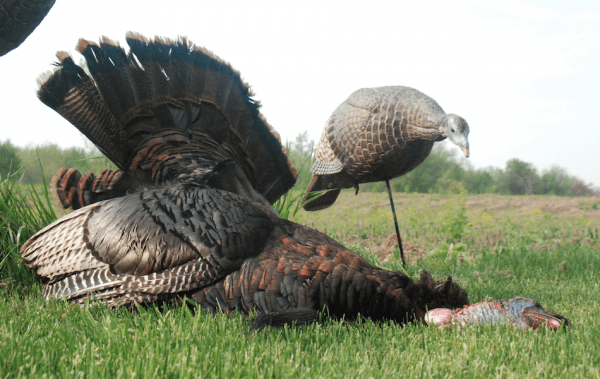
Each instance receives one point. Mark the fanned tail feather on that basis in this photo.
(108, 64)
(74, 190)
(165, 108)
(71, 93)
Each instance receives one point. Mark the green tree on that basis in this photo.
(480, 181)
(520, 178)
(581, 189)
(9, 159)
(557, 182)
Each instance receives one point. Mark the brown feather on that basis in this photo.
(166, 109)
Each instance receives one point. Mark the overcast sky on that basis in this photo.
(524, 74)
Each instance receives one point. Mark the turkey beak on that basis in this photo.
(536, 319)
(465, 150)
(463, 143)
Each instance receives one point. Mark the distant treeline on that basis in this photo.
(31, 164)
(444, 171)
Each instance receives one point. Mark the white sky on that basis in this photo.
(524, 74)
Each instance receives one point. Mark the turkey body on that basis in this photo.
(18, 19)
(301, 268)
(223, 251)
(188, 212)
(379, 134)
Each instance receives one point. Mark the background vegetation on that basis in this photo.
(495, 246)
(444, 171)
(500, 251)
(24, 161)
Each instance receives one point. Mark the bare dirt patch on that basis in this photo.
(387, 250)
(547, 204)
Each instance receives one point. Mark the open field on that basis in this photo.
(428, 222)
(543, 247)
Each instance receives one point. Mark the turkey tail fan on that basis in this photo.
(108, 64)
(66, 188)
(74, 190)
(167, 110)
(73, 94)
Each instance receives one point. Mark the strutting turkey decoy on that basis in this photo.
(18, 19)
(379, 134)
(189, 212)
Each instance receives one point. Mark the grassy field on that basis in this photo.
(543, 247)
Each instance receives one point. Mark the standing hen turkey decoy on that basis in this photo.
(188, 212)
(379, 134)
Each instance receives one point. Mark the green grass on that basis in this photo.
(66, 341)
(507, 250)
(24, 209)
